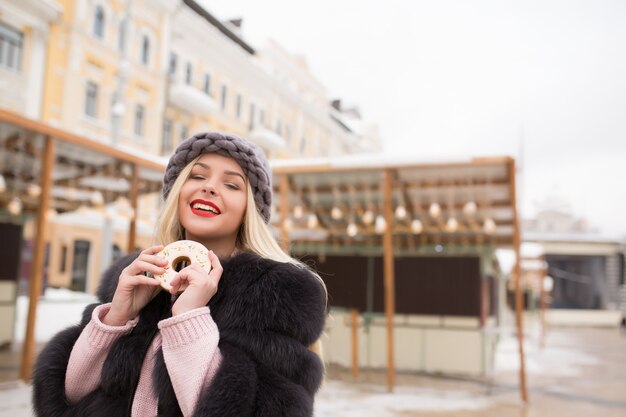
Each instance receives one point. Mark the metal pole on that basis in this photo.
(36, 275)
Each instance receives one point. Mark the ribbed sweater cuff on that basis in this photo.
(187, 327)
(100, 334)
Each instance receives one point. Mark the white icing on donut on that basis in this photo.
(182, 250)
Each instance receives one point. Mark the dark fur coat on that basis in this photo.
(267, 314)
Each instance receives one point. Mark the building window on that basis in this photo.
(184, 132)
(207, 84)
(166, 140)
(238, 106)
(262, 117)
(63, 263)
(121, 36)
(172, 65)
(10, 48)
(98, 22)
(139, 116)
(224, 94)
(188, 70)
(91, 99)
(145, 50)
(251, 117)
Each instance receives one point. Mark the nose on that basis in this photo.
(208, 187)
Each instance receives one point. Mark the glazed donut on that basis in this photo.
(188, 251)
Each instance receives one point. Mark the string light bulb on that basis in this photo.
(312, 221)
(336, 213)
(33, 190)
(470, 209)
(452, 225)
(3, 184)
(96, 198)
(368, 217)
(400, 212)
(352, 230)
(434, 210)
(489, 226)
(380, 225)
(416, 226)
(15, 206)
(298, 211)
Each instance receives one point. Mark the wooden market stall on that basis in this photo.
(378, 206)
(43, 169)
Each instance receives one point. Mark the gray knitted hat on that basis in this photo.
(247, 154)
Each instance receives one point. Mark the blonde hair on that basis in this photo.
(254, 234)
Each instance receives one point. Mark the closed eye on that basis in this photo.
(232, 186)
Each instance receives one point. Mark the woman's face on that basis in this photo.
(213, 200)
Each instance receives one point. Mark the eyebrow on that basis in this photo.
(205, 166)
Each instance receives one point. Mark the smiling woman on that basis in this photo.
(236, 346)
(212, 202)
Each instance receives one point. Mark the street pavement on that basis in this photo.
(578, 372)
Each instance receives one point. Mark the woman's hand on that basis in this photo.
(201, 287)
(134, 289)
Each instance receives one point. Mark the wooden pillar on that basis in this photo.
(519, 301)
(389, 277)
(283, 189)
(134, 194)
(542, 299)
(354, 322)
(36, 274)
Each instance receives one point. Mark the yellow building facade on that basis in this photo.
(142, 75)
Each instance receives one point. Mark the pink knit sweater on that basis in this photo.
(187, 341)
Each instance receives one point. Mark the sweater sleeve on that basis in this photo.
(89, 352)
(191, 354)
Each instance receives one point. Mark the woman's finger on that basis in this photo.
(139, 267)
(132, 281)
(152, 250)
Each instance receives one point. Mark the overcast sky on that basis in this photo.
(542, 80)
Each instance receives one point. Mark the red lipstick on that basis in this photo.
(205, 211)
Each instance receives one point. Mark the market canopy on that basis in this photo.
(340, 201)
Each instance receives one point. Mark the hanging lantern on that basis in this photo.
(15, 206)
(352, 230)
(288, 224)
(470, 208)
(434, 210)
(336, 213)
(368, 217)
(381, 225)
(489, 226)
(400, 212)
(312, 221)
(416, 226)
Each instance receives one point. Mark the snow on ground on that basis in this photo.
(548, 361)
(56, 310)
(339, 399)
(59, 309)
